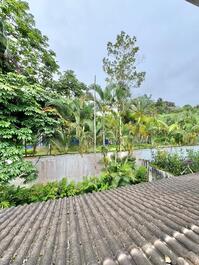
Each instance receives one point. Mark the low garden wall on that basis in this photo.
(75, 166)
(72, 166)
(156, 174)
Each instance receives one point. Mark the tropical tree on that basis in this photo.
(143, 104)
(69, 86)
(82, 112)
(22, 116)
(120, 64)
(60, 141)
(76, 115)
(163, 106)
(28, 50)
(121, 69)
(104, 100)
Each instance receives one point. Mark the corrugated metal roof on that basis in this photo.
(195, 2)
(146, 224)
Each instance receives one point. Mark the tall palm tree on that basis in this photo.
(104, 100)
(82, 112)
(120, 103)
(139, 115)
(74, 114)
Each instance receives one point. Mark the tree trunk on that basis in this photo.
(94, 120)
(25, 148)
(50, 149)
(103, 133)
(34, 149)
(120, 132)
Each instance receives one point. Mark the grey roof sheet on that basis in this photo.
(146, 224)
(195, 2)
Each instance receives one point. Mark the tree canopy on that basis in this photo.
(23, 117)
(120, 63)
(28, 51)
(63, 113)
(68, 85)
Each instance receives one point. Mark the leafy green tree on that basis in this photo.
(22, 116)
(120, 67)
(187, 107)
(145, 103)
(28, 50)
(77, 116)
(82, 112)
(69, 86)
(60, 140)
(120, 64)
(12, 164)
(164, 106)
(104, 100)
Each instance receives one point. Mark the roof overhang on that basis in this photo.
(195, 2)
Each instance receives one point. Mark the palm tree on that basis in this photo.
(104, 100)
(140, 121)
(104, 105)
(82, 112)
(119, 104)
(60, 141)
(74, 114)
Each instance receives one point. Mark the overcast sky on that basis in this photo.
(167, 33)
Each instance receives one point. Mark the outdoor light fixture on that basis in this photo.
(195, 2)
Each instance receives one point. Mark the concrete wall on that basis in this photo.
(156, 174)
(72, 166)
(75, 166)
(153, 173)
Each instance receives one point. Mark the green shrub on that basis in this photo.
(177, 164)
(4, 204)
(141, 174)
(62, 188)
(13, 165)
(118, 172)
(44, 192)
(193, 160)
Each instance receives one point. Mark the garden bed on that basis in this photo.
(176, 164)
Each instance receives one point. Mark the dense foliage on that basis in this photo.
(120, 63)
(24, 119)
(122, 75)
(12, 164)
(177, 164)
(28, 50)
(39, 114)
(119, 172)
(69, 86)
(182, 126)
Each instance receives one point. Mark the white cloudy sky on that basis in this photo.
(167, 33)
